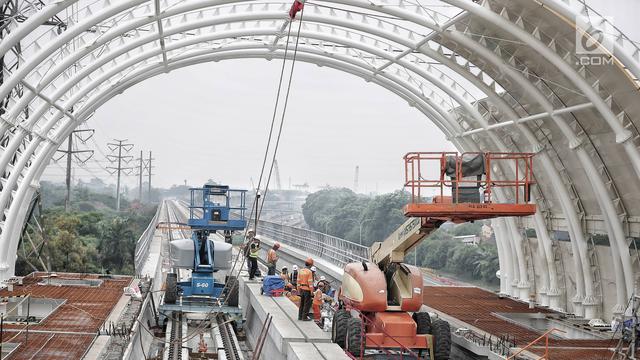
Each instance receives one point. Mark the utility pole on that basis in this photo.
(82, 159)
(119, 145)
(149, 168)
(140, 171)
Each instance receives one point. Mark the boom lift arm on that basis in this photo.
(386, 294)
(394, 248)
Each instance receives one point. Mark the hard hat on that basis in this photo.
(295, 267)
(276, 245)
(309, 261)
(313, 268)
(322, 278)
(284, 268)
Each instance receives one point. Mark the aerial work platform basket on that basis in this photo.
(465, 188)
(212, 206)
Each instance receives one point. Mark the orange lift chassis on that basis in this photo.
(381, 299)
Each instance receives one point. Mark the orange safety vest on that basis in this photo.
(305, 279)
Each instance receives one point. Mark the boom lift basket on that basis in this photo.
(212, 208)
(465, 189)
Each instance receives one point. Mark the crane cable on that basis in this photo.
(284, 109)
(256, 206)
(201, 327)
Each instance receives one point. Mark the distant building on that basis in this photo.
(486, 232)
(468, 239)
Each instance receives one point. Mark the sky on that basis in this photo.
(211, 121)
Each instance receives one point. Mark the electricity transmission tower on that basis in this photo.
(81, 156)
(117, 161)
(149, 173)
(145, 165)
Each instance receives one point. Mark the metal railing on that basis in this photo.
(336, 250)
(144, 242)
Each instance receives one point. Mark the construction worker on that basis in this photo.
(284, 274)
(318, 297)
(313, 272)
(305, 284)
(272, 259)
(254, 252)
(293, 278)
(246, 247)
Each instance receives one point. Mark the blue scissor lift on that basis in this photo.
(212, 208)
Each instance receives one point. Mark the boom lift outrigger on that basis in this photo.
(381, 299)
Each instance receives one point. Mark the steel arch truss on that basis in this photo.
(499, 75)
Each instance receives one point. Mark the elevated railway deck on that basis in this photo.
(87, 303)
(482, 312)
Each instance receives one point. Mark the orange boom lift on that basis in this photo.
(380, 300)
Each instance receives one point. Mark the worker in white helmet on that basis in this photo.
(314, 271)
(293, 277)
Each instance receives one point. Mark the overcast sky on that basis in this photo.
(211, 121)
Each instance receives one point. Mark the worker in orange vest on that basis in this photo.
(305, 284)
(272, 259)
(318, 297)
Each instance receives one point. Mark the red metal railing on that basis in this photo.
(518, 165)
(544, 336)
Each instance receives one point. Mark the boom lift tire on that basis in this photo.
(232, 290)
(339, 327)
(442, 339)
(355, 334)
(171, 289)
(423, 322)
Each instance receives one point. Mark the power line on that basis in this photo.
(140, 171)
(145, 165)
(149, 173)
(119, 159)
(81, 156)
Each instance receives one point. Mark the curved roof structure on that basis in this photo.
(493, 75)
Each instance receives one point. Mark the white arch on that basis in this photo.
(48, 129)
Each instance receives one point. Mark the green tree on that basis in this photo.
(117, 245)
(487, 264)
(462, 259)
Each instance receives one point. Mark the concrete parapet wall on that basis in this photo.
(287, 337)
(141, 335)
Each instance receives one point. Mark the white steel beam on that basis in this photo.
(538, 116)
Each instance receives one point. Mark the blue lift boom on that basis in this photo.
(212, 208)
